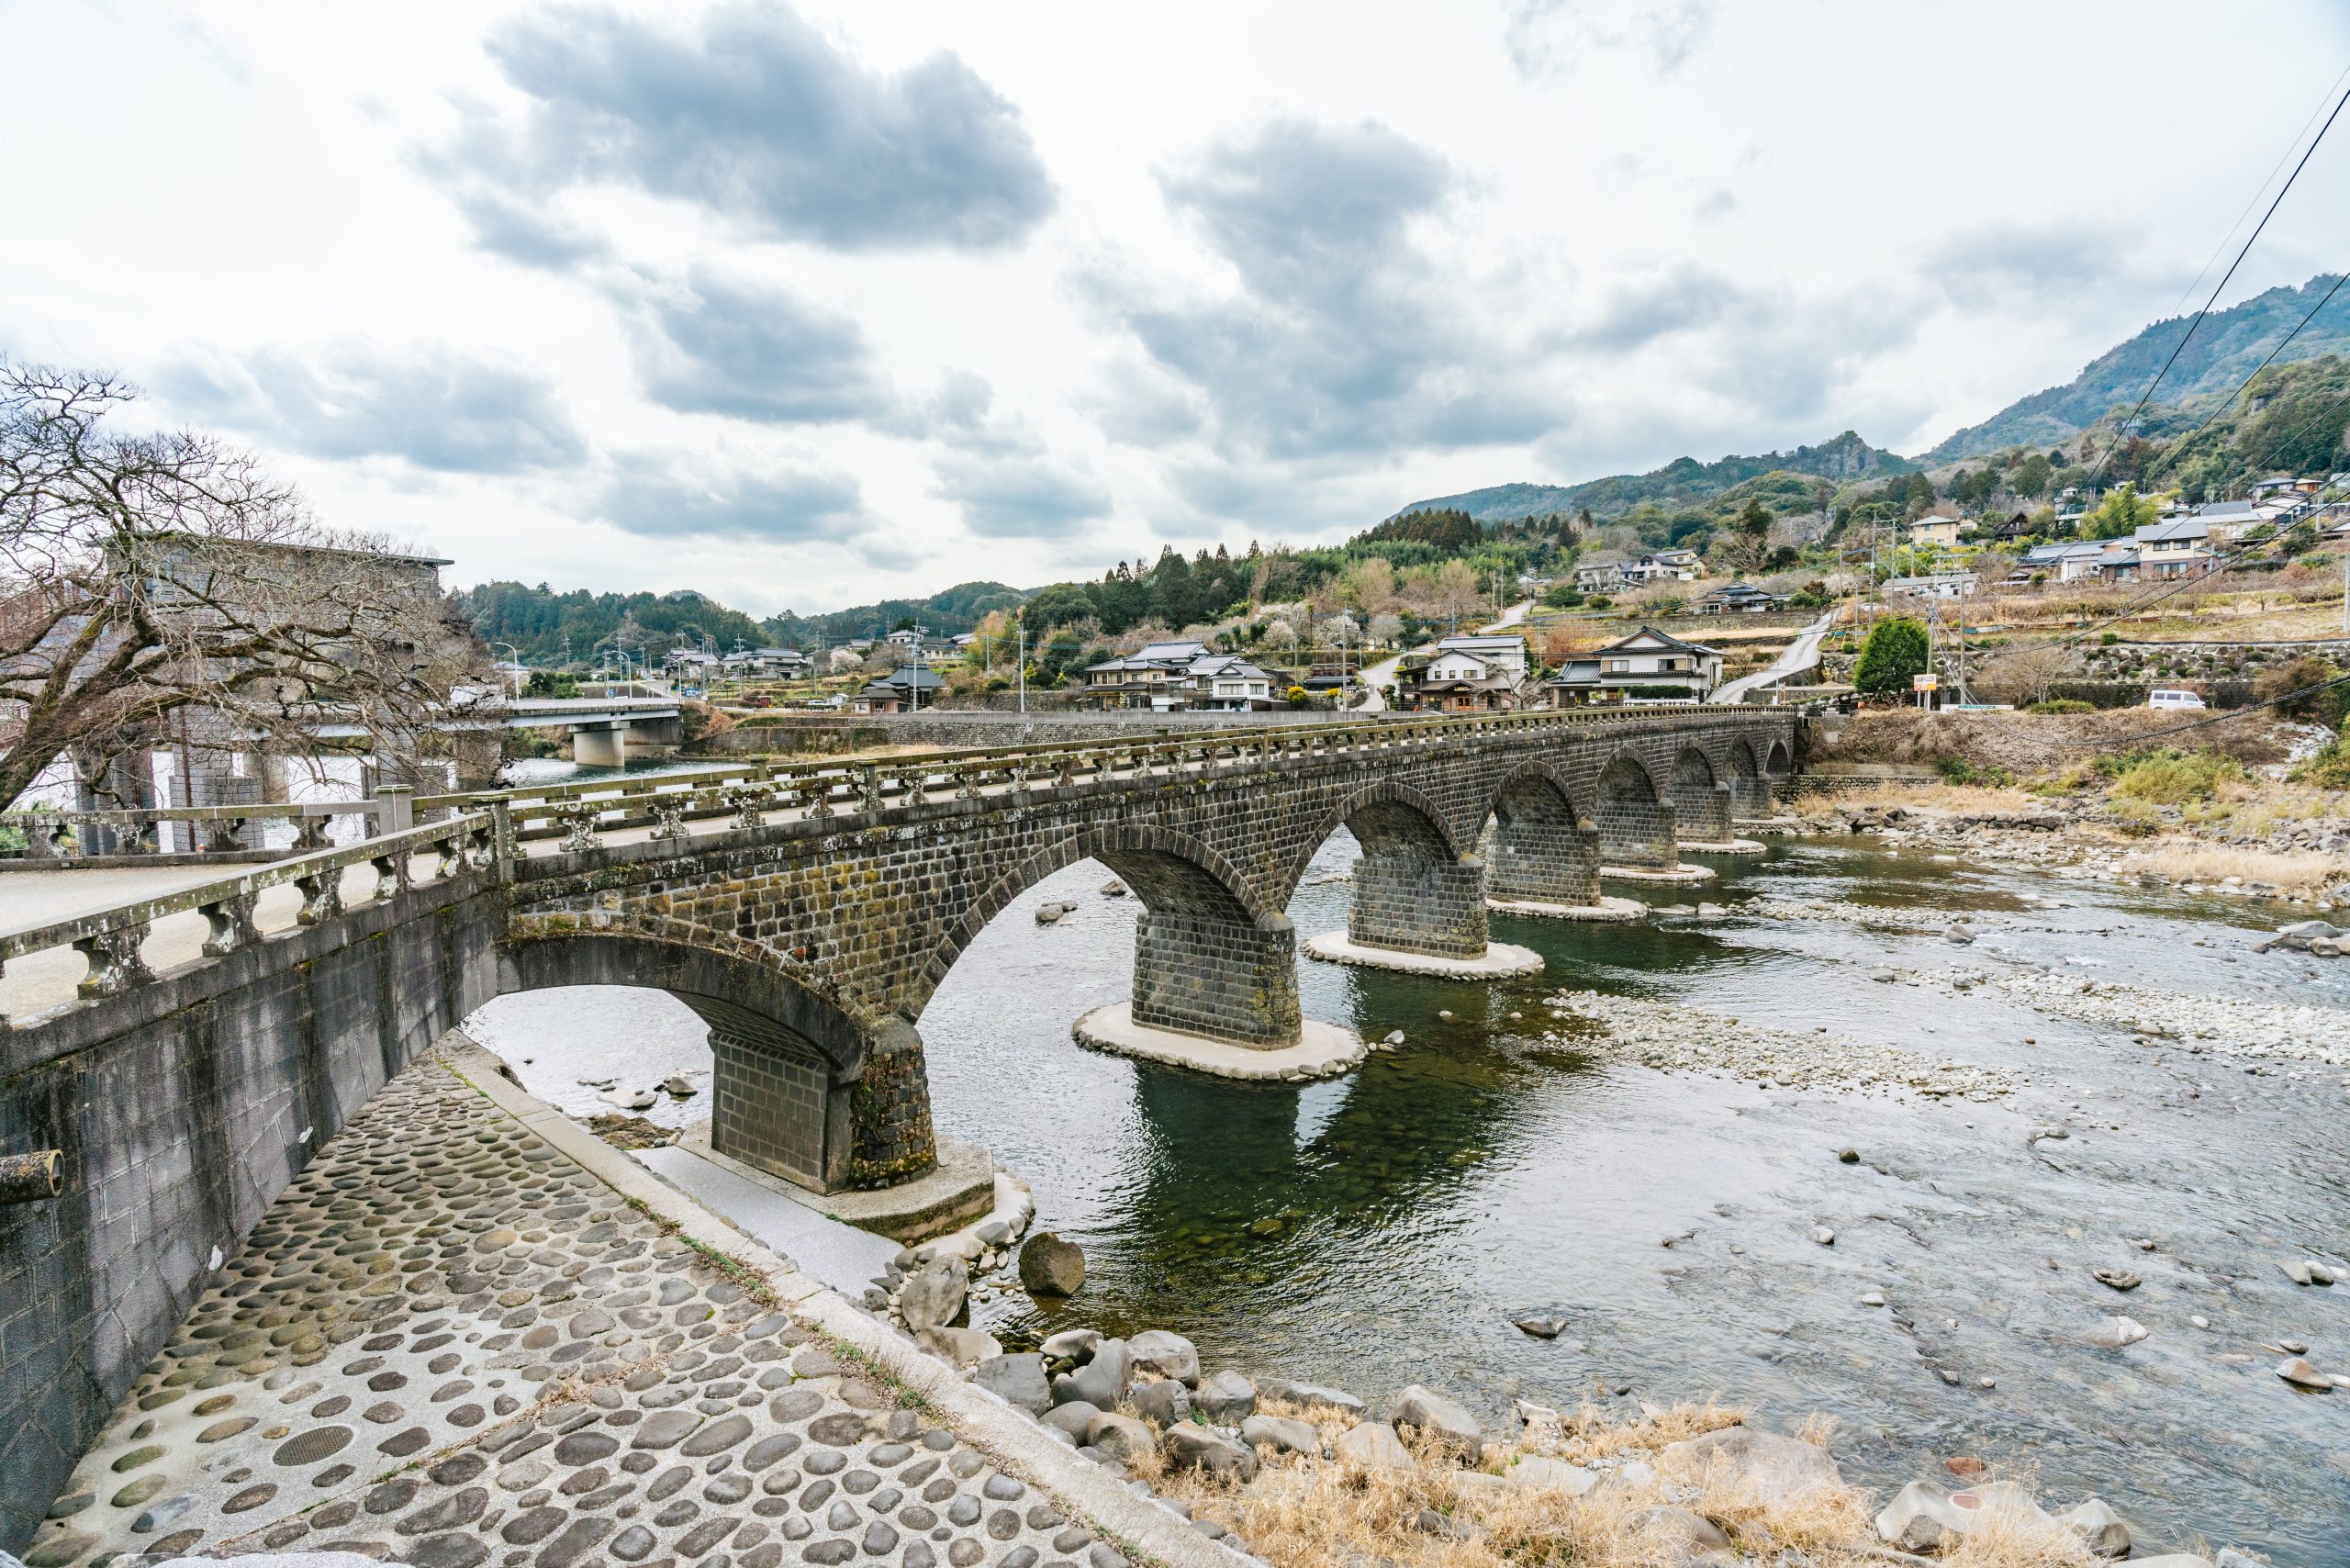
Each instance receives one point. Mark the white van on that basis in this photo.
(2173, 697)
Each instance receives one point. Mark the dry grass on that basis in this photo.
(2188, 862)
(1298, 1514)
(1961, 800)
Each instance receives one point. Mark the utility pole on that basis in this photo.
(1020, 657)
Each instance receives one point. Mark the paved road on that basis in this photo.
(1383, 674)
(1803, 654)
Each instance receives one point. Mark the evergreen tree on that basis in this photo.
(1894, 651)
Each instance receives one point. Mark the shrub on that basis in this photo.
(1296, 695)
(1958, 771)
(2110, 638)
(2328, 706)
(2062, 705)
(2169, 777)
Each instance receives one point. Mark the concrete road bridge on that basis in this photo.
(186, 1050)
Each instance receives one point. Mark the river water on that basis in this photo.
(1385, 1227)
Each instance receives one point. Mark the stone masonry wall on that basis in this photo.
(183, 1108)
(768, 1106)
(1204, 976)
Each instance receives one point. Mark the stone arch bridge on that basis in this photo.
(807, 912)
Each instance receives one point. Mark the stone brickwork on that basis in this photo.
(1198, 974)
(1636, 827)
(1413, 892)
(1701, 806)
(1542, 853)
(767, 1105)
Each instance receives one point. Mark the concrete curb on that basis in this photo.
(1642, 874)
(1727, 846)
(1017, 1444)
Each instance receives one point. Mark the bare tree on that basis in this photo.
(154, 577)
(2028, 674)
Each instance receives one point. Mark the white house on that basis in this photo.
(1934, 585)
(1226, 681)
(1505, 653)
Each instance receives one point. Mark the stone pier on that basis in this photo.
(1418, 904)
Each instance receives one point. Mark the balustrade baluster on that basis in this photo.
(391, 874)
(321, 895)
(115, 964)
(141, 840)
(309, 833)
(868, 787)
(232, 923)
(579, 830)
(227, 836)
(669, 813)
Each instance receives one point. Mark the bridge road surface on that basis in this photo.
(47, 980)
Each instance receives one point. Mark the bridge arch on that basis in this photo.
(1416, 889)
(1701, 805)
(1544, 850)
(1747, 794)
(796, 1081)
(1210, 957)
(1635, 821)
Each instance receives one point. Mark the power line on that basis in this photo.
(2229, 402)
(2122, 431)
(2253, 200)
(2220, 564)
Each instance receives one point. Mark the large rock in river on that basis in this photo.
(933, 1297)
(1165, 1355)
(1049, 1266)
(1773, 1468)
(1438, 1421)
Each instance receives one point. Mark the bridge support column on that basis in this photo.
(1417, 906)
(1702, 815)
(601, 746)
(1638, 836)
(1203, 973)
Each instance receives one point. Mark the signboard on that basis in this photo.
(1924, 682)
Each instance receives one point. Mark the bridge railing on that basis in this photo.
(112, 941)
(747, 793)
(72, 837)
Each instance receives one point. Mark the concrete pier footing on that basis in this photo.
(1679, 874)
(1323, 1050)
(1604, 910)
(1500, 961)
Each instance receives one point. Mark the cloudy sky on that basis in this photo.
(804, 304)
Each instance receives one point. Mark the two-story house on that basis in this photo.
(1648, 666)
(1502, 650)
(1152, 677)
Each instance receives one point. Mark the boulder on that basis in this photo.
(1688, 1534)
(2100, 1527)
(1165, 1355)
(933, 1297)
(1049, 1266)
(1540, 1326)
(2120, 1279)
(1193, 1446)
(1072, 1345)
(1101, 1381)
(1920, 1518)
(1282, 1433)
(1307, 1394)
(959, 1347)
(1018, 1380)
(1374, 1446)
(2115, 1333)
(1163, 1402)
(1425, 1413)
(1114, 890)
(1539, 1472)
(1225, 1398)
(2297, 1371)
(1076, 1417)
(2301, 932)
(1121, 1436)
(678, 1085)
(2306, 1272)
(1773, 1468)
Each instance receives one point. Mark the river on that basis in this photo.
(1385, 1227)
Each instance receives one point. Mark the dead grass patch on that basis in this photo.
(2183, 861)
(1300, 1514)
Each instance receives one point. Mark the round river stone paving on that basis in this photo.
(447, 1344)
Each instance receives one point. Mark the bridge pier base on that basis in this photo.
(1200, 972)
(601, 746)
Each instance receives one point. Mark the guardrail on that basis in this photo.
(484, 831)
(111, 939)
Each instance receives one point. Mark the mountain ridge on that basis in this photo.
(1683, 480)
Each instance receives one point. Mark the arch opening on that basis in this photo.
(1543, 852)
(1701, 807)
(797, 1088)
(1636, 827)
(1414, 892)
(1747, 795)
(1207, 962)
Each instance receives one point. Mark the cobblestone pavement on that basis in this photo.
(448, 1344)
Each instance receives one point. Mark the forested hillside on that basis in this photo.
(1682, 482)
(2216, 360)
